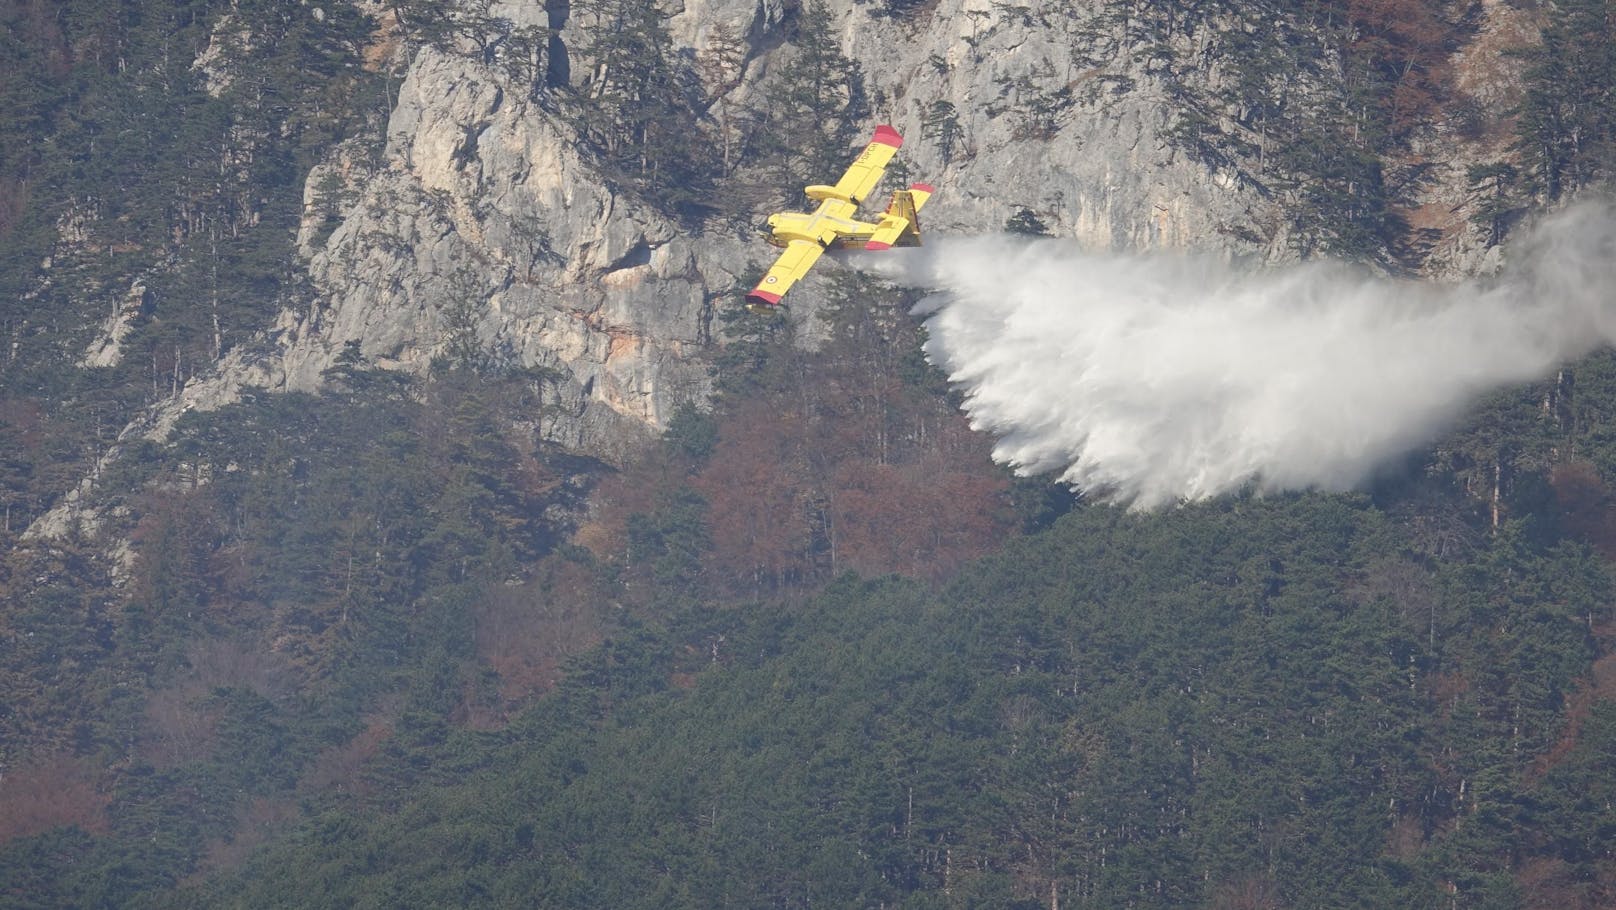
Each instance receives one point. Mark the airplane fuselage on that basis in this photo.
(831, 225)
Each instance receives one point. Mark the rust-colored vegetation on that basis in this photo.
(1405, 46)
(51, 791)
(526, 633)
(1586, 505)
(340, 769)
(1599, 685)
(836, 461)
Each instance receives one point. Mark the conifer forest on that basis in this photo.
(445, 612)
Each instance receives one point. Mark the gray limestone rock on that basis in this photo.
(482, 214)
(482, 211)
(484, 196)
(107, 348)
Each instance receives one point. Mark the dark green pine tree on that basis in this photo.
(816, 106)
(1027, 223)
(1496, 204)
(757, 355)
(16, 475)
(1567, 126)
(634, 109)
(942, 125)
(666, 545)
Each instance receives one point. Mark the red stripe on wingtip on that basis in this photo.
(923, 187)
(886, 135)
(763, 297)
(877, 245)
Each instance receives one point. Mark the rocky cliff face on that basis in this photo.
(481, 215)
(1487, 78)
(482, 196)
(1044, 127)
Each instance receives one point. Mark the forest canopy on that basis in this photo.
(393, 644)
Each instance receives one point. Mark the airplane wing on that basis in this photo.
(868, 167)
(799, 257)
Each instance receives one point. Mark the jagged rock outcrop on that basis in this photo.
(1487, 77)
(483, 216)
(1042, 128)
(107, 348)
(482, 200)
(482, 196)
(480, 214)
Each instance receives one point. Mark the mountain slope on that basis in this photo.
(1232, 703)
(355, 566)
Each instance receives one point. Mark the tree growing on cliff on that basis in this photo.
(721, 66)
(942, 125)
(815, 108)
(1567, 126)
(1496, 206)
(634, 107)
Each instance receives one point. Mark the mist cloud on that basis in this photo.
(1150, 379)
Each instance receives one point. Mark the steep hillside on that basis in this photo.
(396, 504)
(530, 192)
(1246, 705)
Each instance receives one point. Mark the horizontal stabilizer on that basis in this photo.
(888, 232)
(900, 226)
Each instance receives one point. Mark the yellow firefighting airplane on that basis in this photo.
(833, 226)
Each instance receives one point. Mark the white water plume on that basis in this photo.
(1151, 379)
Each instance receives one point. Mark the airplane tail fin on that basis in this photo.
(900, 226)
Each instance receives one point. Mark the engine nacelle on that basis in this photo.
(819, 193)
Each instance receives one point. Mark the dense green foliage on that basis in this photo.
(368, 648)
(1124, 711)
(1306, 701)
(1568, 116)
(341, 552)
(132, 181)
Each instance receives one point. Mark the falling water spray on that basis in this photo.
(1151, 379)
